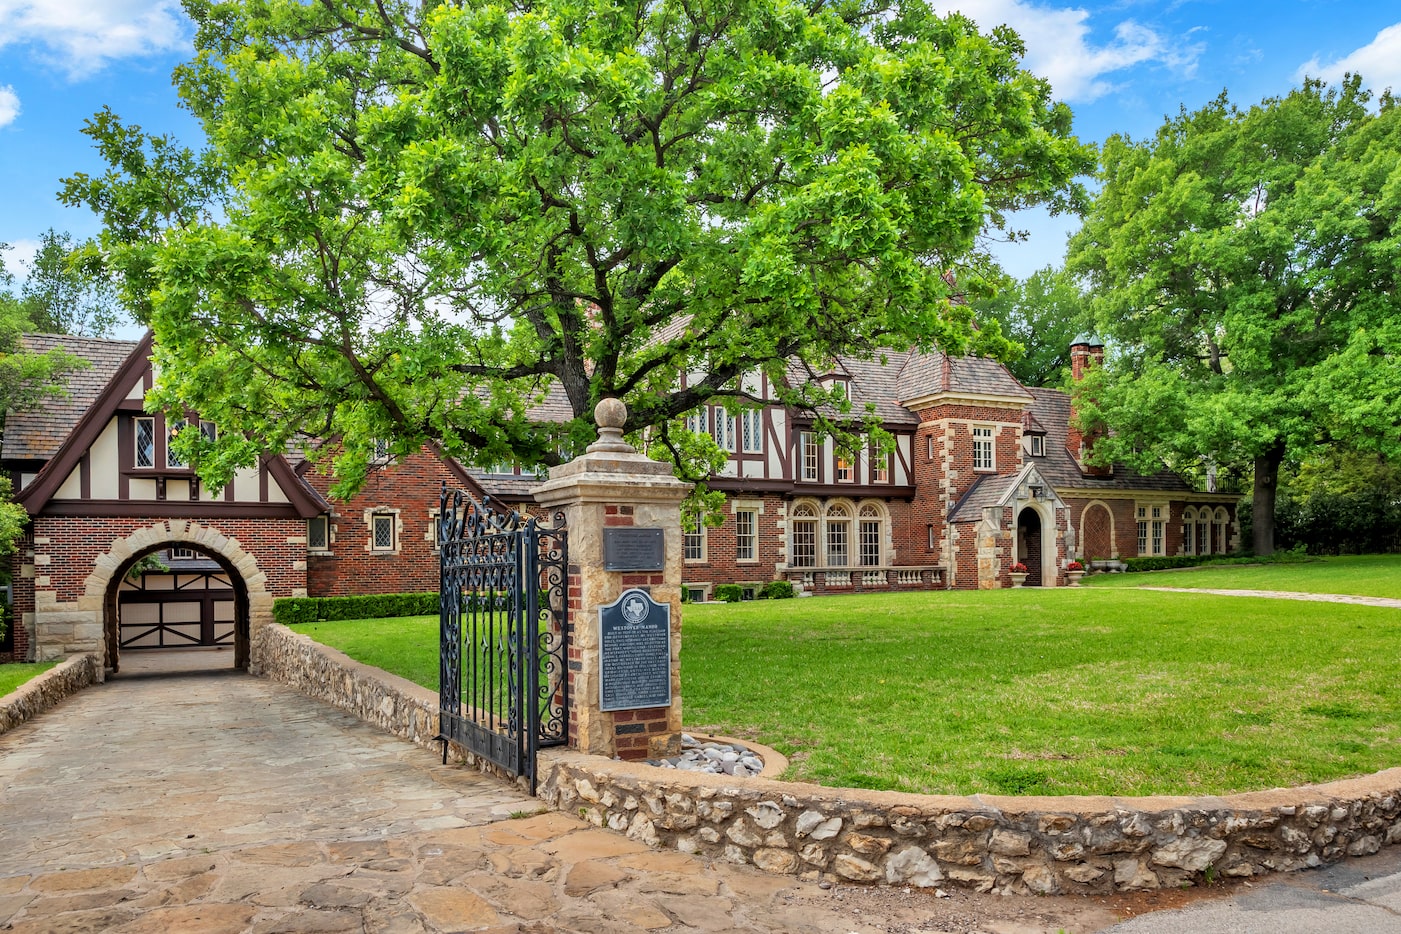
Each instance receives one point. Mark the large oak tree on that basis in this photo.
(410, 220)
(1245, 265)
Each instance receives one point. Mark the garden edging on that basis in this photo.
(1041, 845)
(48, 689)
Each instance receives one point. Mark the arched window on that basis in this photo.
(803, 532)
(1222, 517)
(1189, 516)
(871, 533)
(838, 536)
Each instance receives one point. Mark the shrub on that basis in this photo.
(1163, 562)
(777, 590)
(1075, 566)
(729, 593)
(292, 610)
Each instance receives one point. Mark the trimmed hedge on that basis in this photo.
(1163, 562)
(293, 610)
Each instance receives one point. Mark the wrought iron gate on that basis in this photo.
(503, 689)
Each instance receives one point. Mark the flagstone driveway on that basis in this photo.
(215, 802)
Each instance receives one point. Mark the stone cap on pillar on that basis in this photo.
(613, 463)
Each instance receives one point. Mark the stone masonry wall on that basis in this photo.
(1010, 845)
(990, 843)
(45, 691)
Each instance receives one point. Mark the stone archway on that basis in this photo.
(252, 599)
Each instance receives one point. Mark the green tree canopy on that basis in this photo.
(1043, 314)
(1245, 267)
(26, 380)
(411, 220)
(66, 291)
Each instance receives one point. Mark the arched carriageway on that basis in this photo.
(208, 596)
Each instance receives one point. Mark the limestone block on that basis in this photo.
(912, 866)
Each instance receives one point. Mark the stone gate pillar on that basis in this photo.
(613, 486)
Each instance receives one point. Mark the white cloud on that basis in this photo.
(79, 37)
(1378, 62)
(1059, 46)
(18, 257)
(9, 104)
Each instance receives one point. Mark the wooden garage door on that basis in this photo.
(162, 611)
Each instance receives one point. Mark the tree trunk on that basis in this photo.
(1262, 509)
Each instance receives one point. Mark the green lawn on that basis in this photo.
(1063, 691)
(13, 675)
(1365, 575)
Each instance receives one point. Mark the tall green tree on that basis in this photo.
(1042, 314)
(1244, 265)
(65, 291)
(412, 219)
(26, 380)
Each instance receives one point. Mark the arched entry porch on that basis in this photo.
(1030, 550)
(237, 567)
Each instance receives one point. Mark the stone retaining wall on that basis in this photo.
(45, 691)
(1002, 844)
(393, 704)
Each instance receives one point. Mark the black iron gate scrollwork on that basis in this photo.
(503, 688)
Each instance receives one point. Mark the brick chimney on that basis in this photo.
(1086, 351)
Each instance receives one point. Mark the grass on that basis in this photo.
(403, 645)
(1363, 575)
(13, 675)
(1110, 690)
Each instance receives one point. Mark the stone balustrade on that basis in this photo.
(866, 579)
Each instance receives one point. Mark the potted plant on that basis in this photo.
(1018, 572)
(1073, 572)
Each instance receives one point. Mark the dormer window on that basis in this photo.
(1038, 445)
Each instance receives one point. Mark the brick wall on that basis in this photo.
(721, 565)
(409, 489)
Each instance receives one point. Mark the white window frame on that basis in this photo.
(930, 530)
(811, 525)
(725, 430)
(1152, 530)
(747, 542)
(695, 541)
(808, 454)
(376, 521)
(137, 422)
(752, 431)
(984, 449)
(1037, 444)
(870, 529)
(837, 535)
(845, 471)
(929, 446)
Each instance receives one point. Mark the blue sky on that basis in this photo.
(1122, 66)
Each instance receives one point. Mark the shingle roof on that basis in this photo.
(1051, 407)
(36, 434)
(928, 374)
(986, 491)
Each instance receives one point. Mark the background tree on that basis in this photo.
(65, 292)
(1244, 266)
(1043, 314)
(26, 380)
(412, 221)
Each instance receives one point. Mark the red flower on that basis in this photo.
(1019, 568)
(1075, 566)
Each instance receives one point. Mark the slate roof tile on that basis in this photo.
(36, 434)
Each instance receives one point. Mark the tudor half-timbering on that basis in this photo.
(983, 473)
(104, 491)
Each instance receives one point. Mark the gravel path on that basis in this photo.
(1290, 595)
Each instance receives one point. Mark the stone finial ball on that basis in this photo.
(610, 413)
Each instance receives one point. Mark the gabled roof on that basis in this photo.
(936, 373)
(84, 428)
(1051, 407)
(998, 490)
(35, 434)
